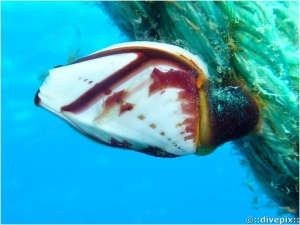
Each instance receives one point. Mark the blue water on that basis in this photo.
(53, 174)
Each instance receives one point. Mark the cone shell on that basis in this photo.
(143, 96)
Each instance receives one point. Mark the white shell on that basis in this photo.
(108, 96)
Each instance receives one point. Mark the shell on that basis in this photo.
(151, 97)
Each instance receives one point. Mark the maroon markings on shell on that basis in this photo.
(115, 98)
(153, 151)
(116, 143)
(188, 96)
(126, 107)
(188, 122)
(145, 57)
(37, 99)
(157, 152)
(107, 92)
(118, 98)
(104, 87)
(185, 80)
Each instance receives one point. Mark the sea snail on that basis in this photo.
(151, 97)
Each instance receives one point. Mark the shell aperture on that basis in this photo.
(151, 97)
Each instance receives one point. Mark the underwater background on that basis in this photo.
(53, 174)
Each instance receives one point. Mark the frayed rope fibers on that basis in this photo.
(255, 43)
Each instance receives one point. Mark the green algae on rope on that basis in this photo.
(254, 43)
